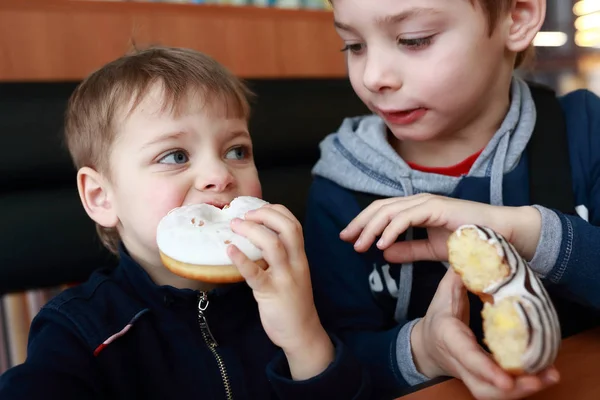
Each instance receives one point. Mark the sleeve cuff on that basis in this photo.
(344, 377)
(404, 356)
(548, 247)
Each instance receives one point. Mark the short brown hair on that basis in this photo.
(493, 9)
(95, 105)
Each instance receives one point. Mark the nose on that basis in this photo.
(381, 72)
(215, 178)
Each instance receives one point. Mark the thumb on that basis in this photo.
(451, 285)
(410, 251)
(458, 299)
(451, 295)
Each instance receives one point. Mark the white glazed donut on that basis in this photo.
(520, 323)
(193, 240)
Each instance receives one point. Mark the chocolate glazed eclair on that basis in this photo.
(520, 324)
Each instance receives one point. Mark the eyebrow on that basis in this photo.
(164, 138)
(230, 135)
(393, 19)
(227, 136)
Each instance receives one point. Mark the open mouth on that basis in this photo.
(220, 206)
(404, 117)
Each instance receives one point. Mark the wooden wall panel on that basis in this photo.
(310, 47)
(57, 40)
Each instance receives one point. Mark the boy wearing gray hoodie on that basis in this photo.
(446, 145)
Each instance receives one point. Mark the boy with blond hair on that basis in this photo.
(149, 132)
(450, 143)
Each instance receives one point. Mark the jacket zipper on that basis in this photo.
(212, 344)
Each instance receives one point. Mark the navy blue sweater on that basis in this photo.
(120, 336)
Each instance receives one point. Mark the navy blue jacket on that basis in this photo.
(120, 336)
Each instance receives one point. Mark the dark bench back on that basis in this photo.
(47, 239)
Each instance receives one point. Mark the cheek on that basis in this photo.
(249, 184)
(452, 76)
(149, 199)
(164, 195)
(447, 84)
(255, 189)
(355, 74)
(160, 197)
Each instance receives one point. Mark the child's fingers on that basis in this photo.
(424, 215)
(355, 227)
(533, 383)
(465, 350)
(410, 251)
(486, 391)
(524, 386)
(393, 219)
(273, 249)
(450, 298)
(394, 228)
(378, 223)
(477, 363)
(480, 389)
(461, 345)
(550, 376)
(374, 227)
(289, 230)
(256, 278)
(283, 210)
(262, 214)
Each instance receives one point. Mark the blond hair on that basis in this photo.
(95, 106)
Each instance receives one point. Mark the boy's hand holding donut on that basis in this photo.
(441, 215)
(443, 345)
(283, 291)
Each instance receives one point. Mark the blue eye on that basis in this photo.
(175, 157)
(237, 153)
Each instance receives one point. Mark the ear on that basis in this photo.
(526, 19)
(95, 195)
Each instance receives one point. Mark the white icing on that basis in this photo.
(200, 233)
(545, 328)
